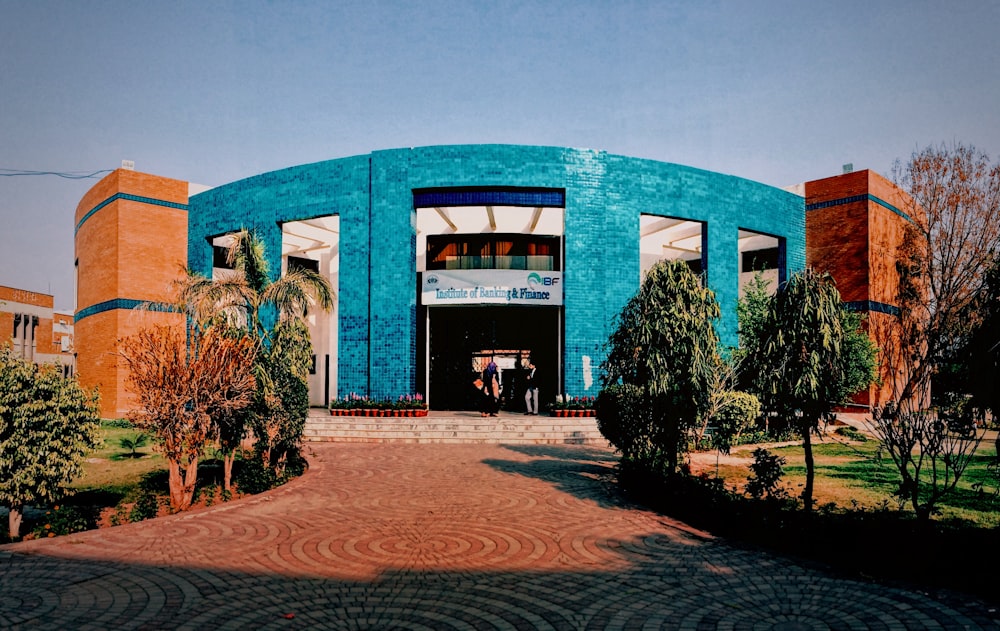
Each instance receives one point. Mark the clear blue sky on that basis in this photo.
(211, 92)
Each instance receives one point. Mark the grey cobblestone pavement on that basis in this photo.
(440, 537)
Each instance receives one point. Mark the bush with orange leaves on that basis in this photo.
(182, 382)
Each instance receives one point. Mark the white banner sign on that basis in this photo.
(491, 287)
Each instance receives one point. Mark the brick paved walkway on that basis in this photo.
(438, 537)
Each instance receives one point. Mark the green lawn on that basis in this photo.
(112, 470)
(852, 475)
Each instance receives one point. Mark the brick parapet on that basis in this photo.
(23, 296)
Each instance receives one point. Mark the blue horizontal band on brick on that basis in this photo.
(118, 303)
(859, 198)
(550, 198)
(131, 198)
(871, 305)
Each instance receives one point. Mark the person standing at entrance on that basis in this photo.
(531, 394)
(491, 388)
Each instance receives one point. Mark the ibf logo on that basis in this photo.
(431, 280)
(535, 279)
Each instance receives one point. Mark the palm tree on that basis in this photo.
(246, 297)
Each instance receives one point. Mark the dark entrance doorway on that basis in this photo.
(462, 337)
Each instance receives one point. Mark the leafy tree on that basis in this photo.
(764, 481)
(799, 369)
(721, 387)
(942, 271)
(665, 345)
(208, 306)
(279, 414)
(751, 314)
(948, 249)
(48, 422)
(182, 383)
(858, 357)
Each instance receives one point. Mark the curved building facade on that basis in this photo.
(442, 257)
(386, 212)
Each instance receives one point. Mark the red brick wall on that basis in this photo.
(131, 250)
(837, 237)
(23, 296)
(857, 243)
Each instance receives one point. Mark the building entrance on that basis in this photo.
(463, 339)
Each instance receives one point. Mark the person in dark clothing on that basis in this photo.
(491, 389)
(531, 393)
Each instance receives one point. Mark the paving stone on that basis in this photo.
(440, 537)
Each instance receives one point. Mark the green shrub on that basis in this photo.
(755, 437)
(63, 520)
(120, 423)
(737, 413)
(765, 475)
(133, 443)
(625, 421)
(850, 433)
(253, 477)
(146, 507)
(206, 493)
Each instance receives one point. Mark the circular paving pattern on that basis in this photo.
(440, 537)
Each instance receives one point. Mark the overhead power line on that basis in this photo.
(69, 175)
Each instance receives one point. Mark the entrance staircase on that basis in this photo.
(453, 427)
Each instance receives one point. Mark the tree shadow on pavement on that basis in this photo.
(654, 581)
(584, 473)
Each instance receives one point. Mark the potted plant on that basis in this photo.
(414, 404)
(566, 405)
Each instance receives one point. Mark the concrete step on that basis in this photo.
(453, 427)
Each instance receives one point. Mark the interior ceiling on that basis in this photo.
(679, 236)
(669, 236)
(750, 241)
(306, 238)
(658, 234)
(301, 238)
(487, 219)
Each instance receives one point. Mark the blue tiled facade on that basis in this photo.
(605, 195)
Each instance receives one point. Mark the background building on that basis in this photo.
(35, 330)
(440, 257)
(131, 242)
(854, 226)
